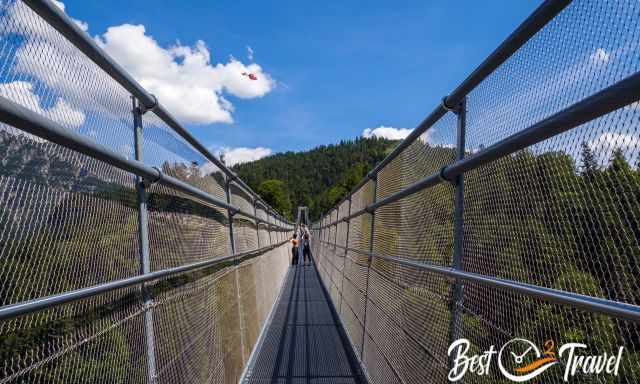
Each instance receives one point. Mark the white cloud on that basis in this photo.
(182, 77)
(50, 61)
(208, 168)
(623, 141)
(249, 53)
(59, 4)
(600, 56)
(83, 25)
(239, 155)
(607, 142)
(19, 19)
(387, 133)
(22, 92)
(633, 106)
(391, 133)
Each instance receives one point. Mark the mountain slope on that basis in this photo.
(319, 177)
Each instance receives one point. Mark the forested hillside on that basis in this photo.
(69, 222)
(317, 178)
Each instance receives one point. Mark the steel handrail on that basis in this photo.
(36, 305)
(16, 115)
(616, 96)
(525, 31)
(57, 19)
(595, 304)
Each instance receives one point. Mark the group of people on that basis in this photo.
(304, 242)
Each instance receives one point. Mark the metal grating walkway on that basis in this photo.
(303, 342)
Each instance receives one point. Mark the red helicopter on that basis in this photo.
(250, 75)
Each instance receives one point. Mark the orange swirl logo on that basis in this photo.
(520, 360)
(520, 350)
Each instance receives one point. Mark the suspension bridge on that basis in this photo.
(129, 253)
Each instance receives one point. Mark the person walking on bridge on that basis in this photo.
(306, 248)
(294, 249)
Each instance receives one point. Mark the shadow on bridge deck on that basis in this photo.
(303, 343)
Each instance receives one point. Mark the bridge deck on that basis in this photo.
(303, 342)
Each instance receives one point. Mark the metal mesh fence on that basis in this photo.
(69, 222)
(183, 230)
(539, 243)
(559, 217)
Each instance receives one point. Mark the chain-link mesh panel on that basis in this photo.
(58, 218)
(247, 291)
(106, 343)
(559, 220)
(45, 73)
(267, 271)
(241, 198)
(377, 365)
(587, 47)
(191, 321)
(337, 262)
(355, 271)
(245, 233)
(424, 157)
(352, 304)
(494, 316)
(343, 211)
(208, 323)
(165, 149)
(419, 226)
(413, 306)
(183, 230)
(331, 235)
(334, 261)
(407, 310)
(561, 214)
(69, 222)
(360, 226)
(264, 236)
(63, 228)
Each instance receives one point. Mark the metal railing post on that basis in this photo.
(227, 189)
(332, 256)
(344, 264)
(236, 272)
(333, 252)
(143, 245)
(320, 244)
(458, 224)
(374, 179)
(335, 235)
(255, 213)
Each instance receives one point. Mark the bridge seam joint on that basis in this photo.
(148, 183)
(442, 177)
(447, 107)
(144, 108)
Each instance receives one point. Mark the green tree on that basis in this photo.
(589, 162)
(276, 194)
(309, 175)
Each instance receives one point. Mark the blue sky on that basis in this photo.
(324, 72)
(340, 67)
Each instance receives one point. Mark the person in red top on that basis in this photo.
(294, 249)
